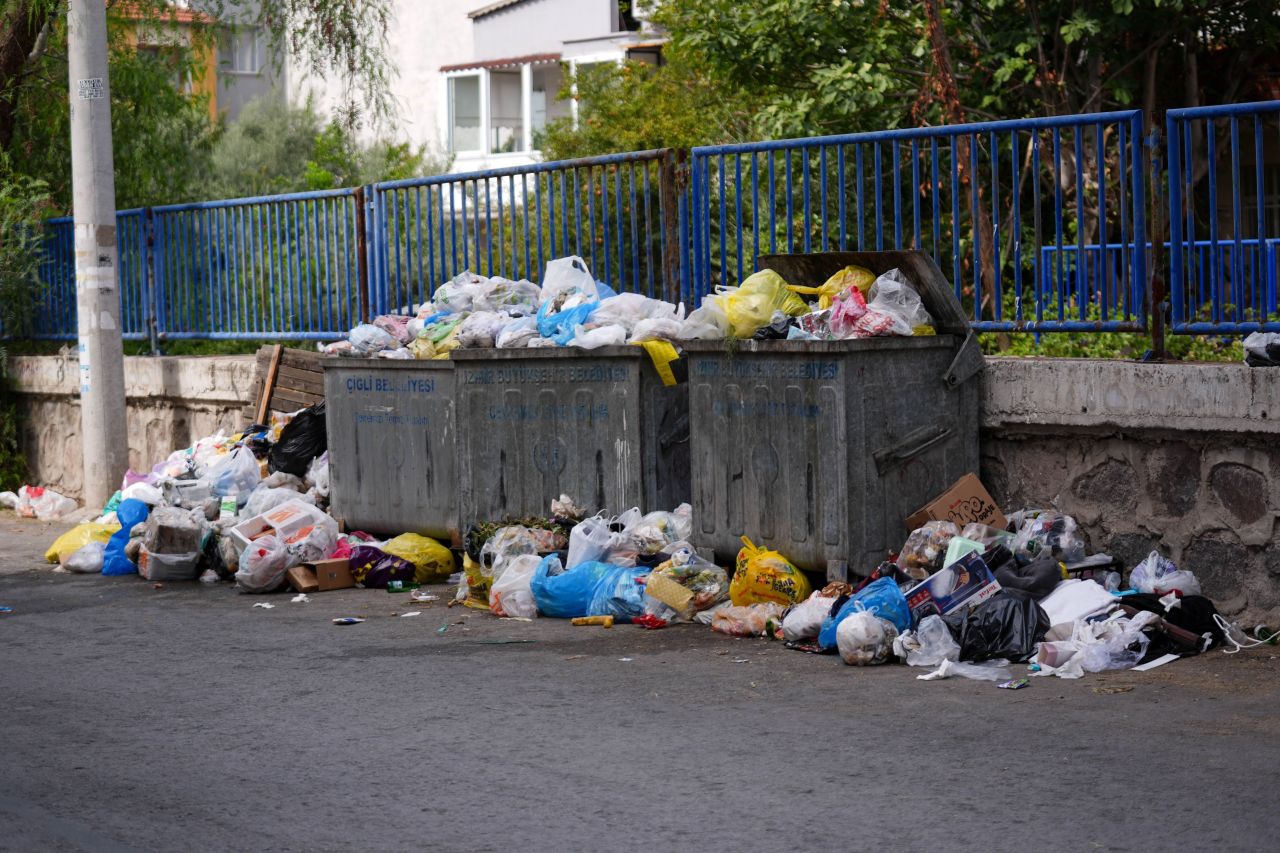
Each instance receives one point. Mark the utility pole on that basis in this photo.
(104, 436)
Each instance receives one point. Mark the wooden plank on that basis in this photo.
(301, 380)
(268, 384)
(287, 400)
(303, 359)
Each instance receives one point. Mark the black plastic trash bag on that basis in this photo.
(303, 439)
(1037, 578)
(1007, 625)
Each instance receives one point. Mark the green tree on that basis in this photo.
(274, 147)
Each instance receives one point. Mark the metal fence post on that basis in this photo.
(672, 180)
(151, 294)
(362, 256)
(1155, 288)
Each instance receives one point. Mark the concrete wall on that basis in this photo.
(1181, 457)
(172, 402)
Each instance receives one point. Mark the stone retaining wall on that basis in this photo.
(1182, 457)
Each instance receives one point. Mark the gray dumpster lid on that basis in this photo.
(935, 291)
(487, 354)
(351, 363)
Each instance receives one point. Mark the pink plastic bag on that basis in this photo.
(845, 313)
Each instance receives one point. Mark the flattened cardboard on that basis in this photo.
(965, 582)
(332, 574)
(966, 501)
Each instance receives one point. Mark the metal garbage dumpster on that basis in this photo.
(392, 460)
(598, 425)
(820, 449)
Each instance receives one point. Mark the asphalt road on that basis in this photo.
(133, 718)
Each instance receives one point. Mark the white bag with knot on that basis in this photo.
(611, 335)
(263, 564)
(892, 294)
(511, 593)
(588, 541)
(566, 276)
(865, 639)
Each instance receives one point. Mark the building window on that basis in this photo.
(243, 51)
(506, 125)
(626, 20)
(545, 93)
(464, 113)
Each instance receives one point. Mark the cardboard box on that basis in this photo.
(302, 579)
(332, 574)
(966, 501)
(965, 582)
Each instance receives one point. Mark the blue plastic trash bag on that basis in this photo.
(566, 594)
(129, 513)
(620, 593)
(881, 598)
(604, 291)
(562, 326)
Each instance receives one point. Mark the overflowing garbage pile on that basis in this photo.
(251, 508)
(571, 308)
(968, 600)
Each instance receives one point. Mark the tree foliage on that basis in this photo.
(275, 147)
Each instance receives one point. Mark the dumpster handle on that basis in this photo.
(916, 442)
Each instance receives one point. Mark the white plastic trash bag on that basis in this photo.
(611, 335)
(368, 339)
(932, 643)
(568, 276)
(517, 333)
(263, 564)
(588, 542)
(804, 621)
(86, 560)
(1159, 575)
(511, 593)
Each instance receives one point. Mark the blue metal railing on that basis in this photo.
(970, 195)
(1219, 188)
(617, 212)
(268, 267)
(1034, 220)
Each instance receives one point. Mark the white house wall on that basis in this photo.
(540, 26)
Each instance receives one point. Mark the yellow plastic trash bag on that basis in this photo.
(432, 561)
(476, 582)
(76, 538)
(762, 576)
(850, 276)
(751, 306)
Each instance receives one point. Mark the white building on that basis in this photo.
(481, 81)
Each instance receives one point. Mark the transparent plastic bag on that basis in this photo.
(507, 542)
(1159, 575)
(1049, 534)
(893, 295)
(481, 329)
(510, 297)
(864, 639)
(845, 313)
(367, 339)
(923, 552)
(264, 499)
(87, 560)
(237, 473)
(932, 643)
(986, 535)
(458, 293)
(684, 584)
(752, 620)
